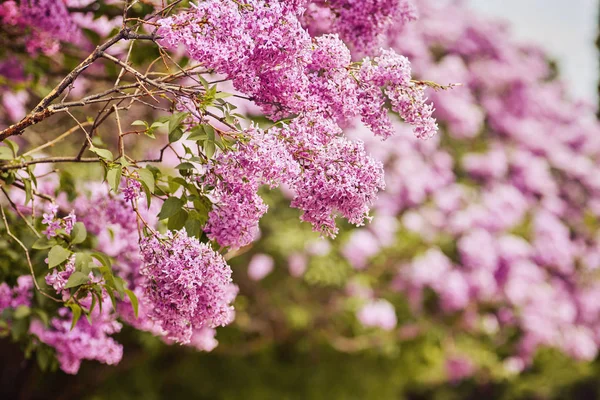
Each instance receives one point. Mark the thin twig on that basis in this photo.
(54, 141)
(37, 286)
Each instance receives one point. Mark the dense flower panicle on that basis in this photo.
(392, 72)
(364, 24)
(112, 221)
(234, 221)
(48, 21)
(327, 173)
(410, 102)
(84, 342)
(20, 295)
(187, 285)
(268, 55)
(262, 48)
(114, 224)
(237, 176)
(339, 179)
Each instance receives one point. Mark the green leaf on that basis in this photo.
(21, 312)
(28, 190)
(203, 81)
(103, 258)
(79, 233)
(102, 153)
(175, 135)
(177, 221)
(147, 178)
(76, 314)
(170, 207)
(202, 207)
(112, 297)
(120, 285)
(77, 278)
(83, 262)
(113, 177)
(134, 301)
(209, 149)
(175, 121)
(148, 195)
(210, 132)
(193, 227)
(140, 123)
(150, 133)
(197, 133)
(57, 255)
(6, 153)
(43, 358)
(159, 124)
(185, 165)
(13, 146)
(88, 313)
(223, 95)
(43, 243)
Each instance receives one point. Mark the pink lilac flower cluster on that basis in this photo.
(86, 341)
(132, 189)
(47, 23)
(506, 205)
(363, 24)
(327, 173)
(115, 226)
(58, 279)
(54, 224)
(188, 285)
(237, 176)
(339, 179)
(110, 219)
(20, 295)
(264, 50)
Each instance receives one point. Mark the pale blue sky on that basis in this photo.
(565, 28)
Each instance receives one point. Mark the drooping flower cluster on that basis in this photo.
(328, 174)
(363, 24)
(188, 285)
(267, 54)
(341, 179)
(263, 160)
(48, 23)
(86, 341)
(111, 221)
(19, 295)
